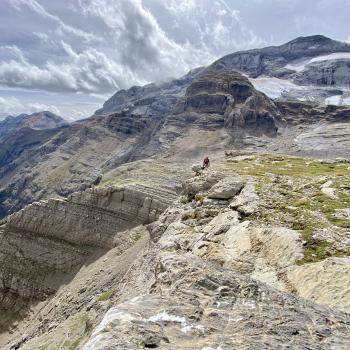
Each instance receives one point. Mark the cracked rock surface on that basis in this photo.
(203, 275)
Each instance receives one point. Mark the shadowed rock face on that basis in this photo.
(38, 163)
(47, 241)
(228, 98)
(325, 73)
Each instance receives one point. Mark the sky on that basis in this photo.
(69, 56)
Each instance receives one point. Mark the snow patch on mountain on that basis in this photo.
(299, 65)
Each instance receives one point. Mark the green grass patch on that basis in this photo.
(105, 296)
(194, 215)
(284, 165)
(290, 195)
(199, 198)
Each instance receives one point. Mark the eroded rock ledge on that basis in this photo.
(44, 244)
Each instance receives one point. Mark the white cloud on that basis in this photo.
(88, 71)
(99, 46)
(136, 51)
(62, 29)
(13, 106)
(200, 22)
(122, 43)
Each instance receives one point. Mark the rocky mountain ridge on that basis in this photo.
(315, 68)
(272, 60)
(208, 273)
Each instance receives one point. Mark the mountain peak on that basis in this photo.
(321, 39)
(39, 121)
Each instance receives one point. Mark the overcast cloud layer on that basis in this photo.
(68, 56)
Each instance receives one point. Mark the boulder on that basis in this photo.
(197, 169)
(226, 188)
(246, 202)
(221, 223)
(201, 183)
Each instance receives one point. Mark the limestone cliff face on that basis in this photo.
(227, 99)
(47, 241)
(272, 60)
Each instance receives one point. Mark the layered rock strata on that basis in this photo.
(227, 99)
(44, 244)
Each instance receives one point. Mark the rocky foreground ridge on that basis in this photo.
(252, 255)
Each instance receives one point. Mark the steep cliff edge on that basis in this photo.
(45, 244)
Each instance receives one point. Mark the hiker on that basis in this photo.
(206, 162)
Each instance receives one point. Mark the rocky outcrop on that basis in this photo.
(207, 277)
(46, 242)
(226, 188)
(196, 306)
(205, 292)
(313, 282)
(246, 202)
(227, 99)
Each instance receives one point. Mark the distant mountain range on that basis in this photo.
(36, 121)
(313, 68)
(308, 68)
